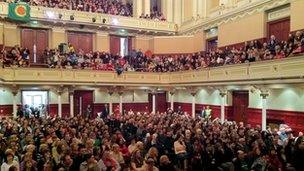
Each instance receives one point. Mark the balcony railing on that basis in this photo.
(42, 13)
(288, 70)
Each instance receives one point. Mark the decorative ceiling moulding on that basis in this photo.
(278, 13)
(234, 14)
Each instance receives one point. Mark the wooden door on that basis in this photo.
(279, 28)
(240, 105)
(82, 98)
(114, 44)
(35, 37)
(41, 45)
(161, 102)
(211, 44)
(28, 41)
(80, 40)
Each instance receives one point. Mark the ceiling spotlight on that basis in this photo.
(72, 17)
(93, 19)
(60, 16)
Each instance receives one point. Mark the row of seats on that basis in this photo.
(146, 62)
(169, 141)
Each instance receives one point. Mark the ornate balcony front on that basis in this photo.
(51, 15)
(289, 70)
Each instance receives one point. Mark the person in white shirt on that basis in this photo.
(9, 162)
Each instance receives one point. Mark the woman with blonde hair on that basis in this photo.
(153, 153)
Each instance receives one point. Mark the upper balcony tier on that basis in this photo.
(56, 16)
(288, 70)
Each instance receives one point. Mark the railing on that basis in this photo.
(288, 70)
(43, 14)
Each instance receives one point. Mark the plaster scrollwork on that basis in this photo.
(235, 14)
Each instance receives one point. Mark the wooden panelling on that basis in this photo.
(81, 41)
(37, 37)
(279, 28)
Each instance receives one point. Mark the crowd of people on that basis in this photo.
(113, 7)
(154, 15)
(170, 141)
(145, 62)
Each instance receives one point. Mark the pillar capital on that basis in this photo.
(264, 93)
(222, 92)
(60, 89)
(192, 90)
(14, 89)
(153, 91)
(71, 89)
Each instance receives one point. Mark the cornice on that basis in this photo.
(232, 15)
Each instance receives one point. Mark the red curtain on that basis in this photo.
(114, 44)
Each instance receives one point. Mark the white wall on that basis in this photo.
(53, 97)
(291, 99)
(6, 97)
(204, 96)
(136, 96)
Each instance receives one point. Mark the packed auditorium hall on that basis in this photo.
(151, 85)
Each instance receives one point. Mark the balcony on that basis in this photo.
(288, 70)
(102, 20)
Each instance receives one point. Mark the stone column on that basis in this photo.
(153, 103)
(172, 100)
(15, 104)
(264, 94)
(137, 8)
(14, 90)
(120, 102)
(201, 8)
(167, 9)
(195, 8)
(193, 104)
(71, 104)
(147, 7)
(223, 96)
(59, 104)
(177, 11)
(110, 103)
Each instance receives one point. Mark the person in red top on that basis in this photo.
(110, 66)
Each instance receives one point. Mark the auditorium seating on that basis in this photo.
(137, 61)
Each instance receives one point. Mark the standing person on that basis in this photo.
(208, 112)
(43, 111)
(105, 112)
(88, 112)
